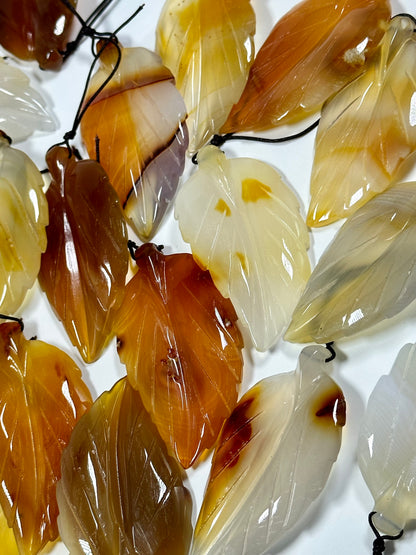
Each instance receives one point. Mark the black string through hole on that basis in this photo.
(219, 140)
(378, 544)
(106, 39)
(13, 319)
(131, 245)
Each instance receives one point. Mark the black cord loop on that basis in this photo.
(378, 544)
(13, 319)
(331, 349)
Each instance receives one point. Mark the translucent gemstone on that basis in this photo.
(313, 51)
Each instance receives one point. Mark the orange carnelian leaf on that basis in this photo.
(314, 50)
(179, 341)
(120, 491)
(42, 395)
(36, 30)
(84, 268)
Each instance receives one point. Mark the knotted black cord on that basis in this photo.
(219, 140)
(14, 319)
(107, 38)
(85, 25)
(378, 544)
(132, 248)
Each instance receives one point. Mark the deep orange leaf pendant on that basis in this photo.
(139, 119)
(178, 338)
(36, 30)
(315, 49)
(84, 268)
(42, 395)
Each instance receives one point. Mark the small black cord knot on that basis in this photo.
(219, 140)
(132, 248)
(13, 319)
(331, 349)
(378, 544)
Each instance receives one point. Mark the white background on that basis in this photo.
(337, 523)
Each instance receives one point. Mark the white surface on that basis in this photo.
(338, 522)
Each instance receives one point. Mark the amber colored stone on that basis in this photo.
(36, 30)
(312, 51)
(84, 268)
(121, 492)
(179, 341)
(42, 395)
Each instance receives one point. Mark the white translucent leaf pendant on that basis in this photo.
(209, 47)
(23, 219)
(22, 109)
(243, 224)
(367, 131)
(262, 477)
(367, 273)
(387, 445)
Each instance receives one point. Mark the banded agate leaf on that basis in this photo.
(42, 395)
(22, 109)
(243, 224)
(23, 218)
(387, 445)
(178, 338)
(366, 274)
(84, 268)
(139, 119)
(208, 45)
(312, 51)
(272, 460)
(120, 491)
(36, 30)
(367, 131)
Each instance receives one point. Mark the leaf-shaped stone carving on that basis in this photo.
(272, 460)
(208, 45)
(387, 444)
(139, 119)
(244, 226)
(22, 109)
(23, 218)
(178, 338)
(7, 539)
(84, 268)
(120, 491)
(367, 131)
(365, 275)
(42, 395)
(313, 51)
(36, 30)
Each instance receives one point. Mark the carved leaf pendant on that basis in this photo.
(367, 131)
(272, 460)
(120, 491)
(243, 224)
(42, 395)
(208, 45)
(23, 218)
(387, 444)
(367, 273)
(178, 338)
(139, 119)
(84, 268)
(36, 30)
(23, 110)
(313, 51)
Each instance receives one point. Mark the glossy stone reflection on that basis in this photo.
(36, 30)
(84, 268)
(313, 51)
(179, 341)
(120, 491)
